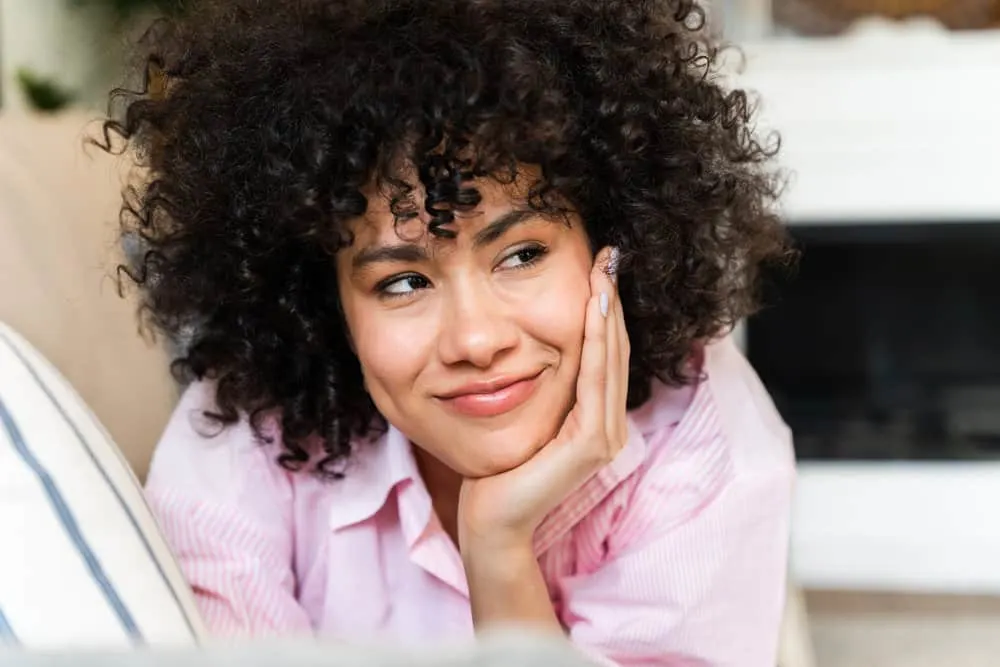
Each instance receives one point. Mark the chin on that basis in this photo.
(510, 445)
(501, 450)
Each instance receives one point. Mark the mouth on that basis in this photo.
(493, 397)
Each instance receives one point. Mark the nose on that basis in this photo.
(477, 327)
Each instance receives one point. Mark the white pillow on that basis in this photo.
(82, 562)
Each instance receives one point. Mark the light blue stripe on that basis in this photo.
(7, 634)
(70, 524)
(107, 481)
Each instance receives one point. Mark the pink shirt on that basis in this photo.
(674, 554)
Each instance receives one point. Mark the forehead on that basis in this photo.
(380, 225)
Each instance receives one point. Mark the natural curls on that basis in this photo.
(260, 129)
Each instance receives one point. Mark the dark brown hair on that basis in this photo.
(270, 118)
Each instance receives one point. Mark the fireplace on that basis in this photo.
(886, 346)
(883, 355)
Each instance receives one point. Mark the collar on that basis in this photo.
(379, 466)
(374, 470)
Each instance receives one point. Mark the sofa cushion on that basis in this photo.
(59, 206)
(83, 563)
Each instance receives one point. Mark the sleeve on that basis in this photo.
(225, 508)
(705, 588)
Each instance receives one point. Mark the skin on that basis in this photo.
(516, 296)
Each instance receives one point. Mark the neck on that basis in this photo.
(444, 485)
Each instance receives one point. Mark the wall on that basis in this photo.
(54, 38)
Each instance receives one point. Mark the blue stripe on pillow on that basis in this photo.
(70, 525)
(7, 635)
(107, 481)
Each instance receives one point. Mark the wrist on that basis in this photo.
(500, 551)
(506, 586)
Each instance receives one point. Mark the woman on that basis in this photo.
(456, 278)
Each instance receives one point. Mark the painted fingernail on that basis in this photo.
(604, 304)
(612, 268)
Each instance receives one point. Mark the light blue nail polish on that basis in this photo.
(604, 304)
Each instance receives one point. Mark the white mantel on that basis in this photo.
(885, 124)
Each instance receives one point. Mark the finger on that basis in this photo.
(624, 358)
(619, 351)
(624, 351)
(614, 415)
(591, 386)
(620, 400)
(611, 269)
(624, 346)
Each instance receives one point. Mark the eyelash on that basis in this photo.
(537, 249)
(539, 252)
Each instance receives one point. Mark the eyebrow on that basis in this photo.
(403, 252)
(410, 252)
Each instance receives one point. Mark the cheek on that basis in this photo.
(391, 353)
(556, 315)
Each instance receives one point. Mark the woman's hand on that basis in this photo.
(501, 512)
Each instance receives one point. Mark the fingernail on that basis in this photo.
(604, 304)
(612, 268)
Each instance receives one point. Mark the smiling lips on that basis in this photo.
(492, 398)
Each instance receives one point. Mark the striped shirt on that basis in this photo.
(674, 554)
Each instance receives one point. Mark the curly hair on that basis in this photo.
(264, 127)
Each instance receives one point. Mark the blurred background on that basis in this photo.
(883, 354)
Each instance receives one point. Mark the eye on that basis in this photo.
(402, 285)
(523, 257)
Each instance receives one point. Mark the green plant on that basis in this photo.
(43, 93)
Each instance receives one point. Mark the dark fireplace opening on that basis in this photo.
(886, 344)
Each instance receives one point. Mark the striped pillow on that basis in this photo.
(82, 562)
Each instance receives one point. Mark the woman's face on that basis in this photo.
(470, 346)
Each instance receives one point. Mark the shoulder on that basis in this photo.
(728, 401)
(721, 436)
(224, 463)
(727, 412)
